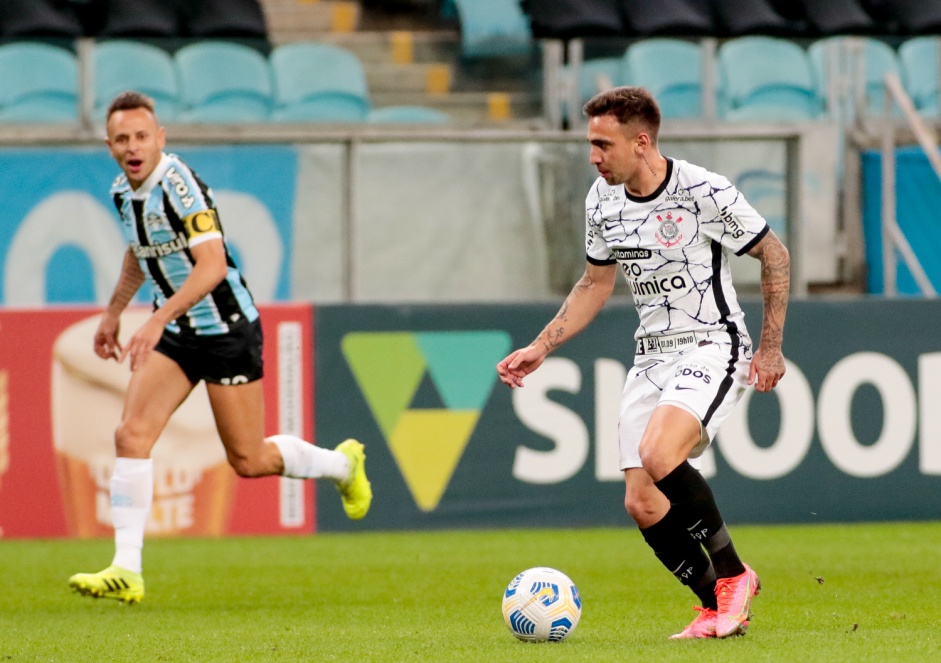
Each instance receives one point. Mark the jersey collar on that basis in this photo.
(148, 185)
(657, 191)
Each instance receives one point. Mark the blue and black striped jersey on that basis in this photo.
(172, 211)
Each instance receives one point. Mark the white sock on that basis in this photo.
(132, 493)
(303, 460)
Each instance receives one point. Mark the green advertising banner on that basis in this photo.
(852, 432)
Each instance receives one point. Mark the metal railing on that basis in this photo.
(893, 239)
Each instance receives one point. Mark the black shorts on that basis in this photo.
(232, 358)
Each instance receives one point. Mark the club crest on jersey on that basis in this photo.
(153, 219)
(668, 233)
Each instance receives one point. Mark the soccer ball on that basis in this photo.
(541, 604)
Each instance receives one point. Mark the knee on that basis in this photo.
(644, 504)
(130, 440)
(246, 466)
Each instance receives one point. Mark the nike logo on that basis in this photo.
(679, 388)
(690, 529)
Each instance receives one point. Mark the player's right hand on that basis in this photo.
(107, 345)
(519, 364)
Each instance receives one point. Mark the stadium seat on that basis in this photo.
(667, 17)
(568, 19)
(407, 115)
(226, 19)
(598, 74)
(915, 17)
(768, 79)
(877, 60)
(493, 28)
(38, 18)
(738, 18)
(318, 83)
(918, 58)
(128, 65)
(223, 82)
(672, 70)
(837, 17)
(39, 83)
(142, 18)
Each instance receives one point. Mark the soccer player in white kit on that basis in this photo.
(668, 226)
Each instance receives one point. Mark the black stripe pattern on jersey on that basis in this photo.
(726, 384)
(223, 297)
(153, 264)
(176, 223)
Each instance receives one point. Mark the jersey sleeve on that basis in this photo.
(596, 249)
(734, 223)
(192, 204)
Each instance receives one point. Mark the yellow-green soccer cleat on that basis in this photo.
(112, 583)
(356, 490)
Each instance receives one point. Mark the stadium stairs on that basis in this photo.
(412, 56)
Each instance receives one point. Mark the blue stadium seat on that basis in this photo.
(493, 28)
(318, 83)
(919, 63)
(768, 79)
(128, 65)
(672, 70)
(224, 82)
(38, 83)
(407, 115)
(599, 74)
(878, 59)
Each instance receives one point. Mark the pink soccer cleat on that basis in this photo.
(734, 596)
(704, 626)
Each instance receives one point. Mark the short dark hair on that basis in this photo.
(129, 101)
(627, 104)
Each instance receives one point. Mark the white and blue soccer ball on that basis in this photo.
(541, 604)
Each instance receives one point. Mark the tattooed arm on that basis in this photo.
(581, 306)
(107, 345)
(767, 366)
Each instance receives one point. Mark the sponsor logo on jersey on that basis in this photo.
(684, 197)
(658, 286)
(736, 229)
(668, 233)
(630, 254)
(180, 187)
(609, 196)
(178, 243)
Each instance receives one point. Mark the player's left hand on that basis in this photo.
(767, 368)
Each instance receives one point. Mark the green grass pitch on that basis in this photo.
(831, 593)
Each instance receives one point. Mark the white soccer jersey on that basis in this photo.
(670, 247)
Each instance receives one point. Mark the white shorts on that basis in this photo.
(705, 381)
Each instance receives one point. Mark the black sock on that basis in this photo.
(696, 511)
(683, 557)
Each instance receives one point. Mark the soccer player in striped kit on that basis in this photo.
(668, 226)
(204, 326)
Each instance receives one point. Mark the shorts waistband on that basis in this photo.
(649, 345)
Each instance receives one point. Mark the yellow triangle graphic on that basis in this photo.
(427, 446)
